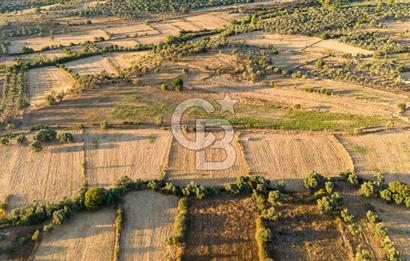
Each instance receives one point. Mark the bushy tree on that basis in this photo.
(367, 189)
(313, 181)
(94, 198)
(46, 135)
(65, 137)
(275, 197)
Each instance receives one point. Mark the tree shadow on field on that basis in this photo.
(101, 141)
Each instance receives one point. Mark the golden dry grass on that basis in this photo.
(291, 156)
(384, 152)
(37, 43)
(49, 175)
(45, 81)
(92, 66)
(88, 236)
(138, 154)
(125, 60)
(182, 165)
(148, 222)
(397, 221)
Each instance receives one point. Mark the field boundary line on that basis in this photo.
(85, 158)
(241, 148)
(165, 165)
(341, 143)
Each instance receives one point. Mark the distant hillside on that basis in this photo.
(130, 9)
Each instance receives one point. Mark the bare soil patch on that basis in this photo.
(303, 233)
(291, 156)
(88, 236)
(221, 229)
(149, 218)
(138, 154)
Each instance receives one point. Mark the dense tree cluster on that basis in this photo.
(134, 9)
(332, 21)
(18, 5)
(373, 41)
(373, 73)
(13, 94)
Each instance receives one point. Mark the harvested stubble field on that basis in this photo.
(183, 165)
(290, 156)
(45, 81)
(213, 20)
(138, 154)
(37, 43)
(384, 152)
(87, 236)
(49, 175)
(221, 229)
(92, 66)
(347, 98)
(124, 60)
(397, 221)
(149, 218)
(303, 233)
(298, 43)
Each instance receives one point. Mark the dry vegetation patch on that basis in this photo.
(88, 236)
(289, 157)
(37, 43)
(149, 217)
(92, 66)
(397, 221)
(138, 154)
(183, 165)
(221, 229)
(125, 60)
(384, 152)
(303, 233)
(45, 81)
(49, 175)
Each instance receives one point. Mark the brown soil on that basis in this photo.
(221, 229)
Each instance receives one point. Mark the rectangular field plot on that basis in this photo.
(221, 229)
(149, 217)
(92, 66)
(37, 43)
(45, 81)
(290, 157)
(387, 152)
(49, 175)
(113, 154)
(88, 236)
(303, 233)
(183, 166)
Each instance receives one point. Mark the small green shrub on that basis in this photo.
(36, 146)
(65, 137)
(21, 139)
(372, 217)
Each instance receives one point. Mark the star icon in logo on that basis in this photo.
(227, 104)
